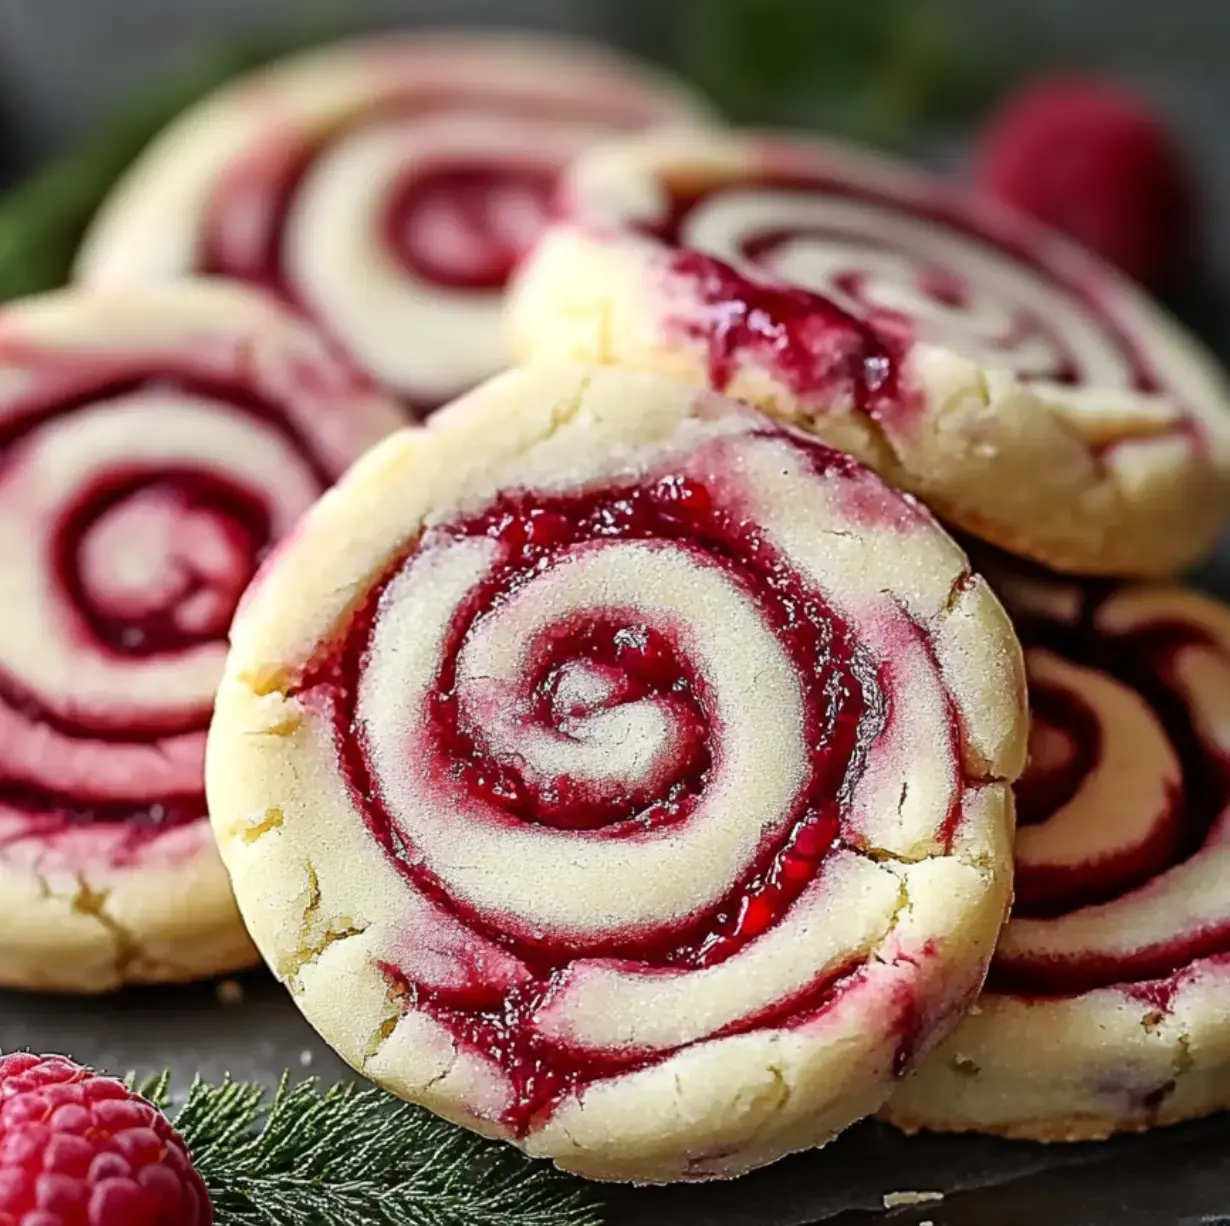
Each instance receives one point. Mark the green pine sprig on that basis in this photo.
(351, 1156)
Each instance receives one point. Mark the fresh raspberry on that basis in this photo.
(1088, 158)
(78, 1149)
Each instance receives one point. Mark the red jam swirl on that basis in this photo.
(458, 225)
(146, 561)
(1054, 777)
(820, 349)
(214, 534)
(466, 226)
(847, 701)
(1189, 820)
(846, 345)
(452, 218)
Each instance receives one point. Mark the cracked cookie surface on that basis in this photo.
(385, 187)
(153, 444)
(1107, 1008)
(1027, 393)
(620, 774)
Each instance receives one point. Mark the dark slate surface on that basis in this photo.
(1175, 1177)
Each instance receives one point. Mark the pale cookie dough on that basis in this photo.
(1025, 391)
(1108, 1004)
(384, 186)
(616, 773)
(153, 444)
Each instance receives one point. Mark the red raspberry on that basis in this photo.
(1088, 158)
(78, 1149)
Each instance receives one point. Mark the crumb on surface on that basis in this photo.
(894, 1200)
(305, 1057)
(230, 992)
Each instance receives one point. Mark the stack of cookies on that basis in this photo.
(629, 754)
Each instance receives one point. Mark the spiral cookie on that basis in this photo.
(384, 187)
(1026, 392)
(153, 443)
(616, 773)
(1108, 1003)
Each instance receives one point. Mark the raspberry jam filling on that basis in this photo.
(142, 563)
(591, 662)
(205, 537)
(464, 226)
(818, 348)
(813, 303)
(1067, 746)
(454, 219)
(458, 225)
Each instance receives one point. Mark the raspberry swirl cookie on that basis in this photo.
(621, 775)
(1026, 392)
(1108, 1002)
(152, 444)
(385, 187)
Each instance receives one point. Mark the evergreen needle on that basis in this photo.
(351, 1156)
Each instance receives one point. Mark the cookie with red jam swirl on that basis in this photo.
(1107, 1008)
(385, 187)
(1026, 392)
(618, 773)
(154, 443)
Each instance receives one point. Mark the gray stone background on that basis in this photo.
(63, 61)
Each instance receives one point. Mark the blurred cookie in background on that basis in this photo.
(385, 187)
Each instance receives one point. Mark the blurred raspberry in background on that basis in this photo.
(1090, 159)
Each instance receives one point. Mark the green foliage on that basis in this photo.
(351, 1156)
(871, 70)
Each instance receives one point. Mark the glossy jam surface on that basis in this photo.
(832, 307)
(595, 661)
(816, 346)
(1068, 743)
